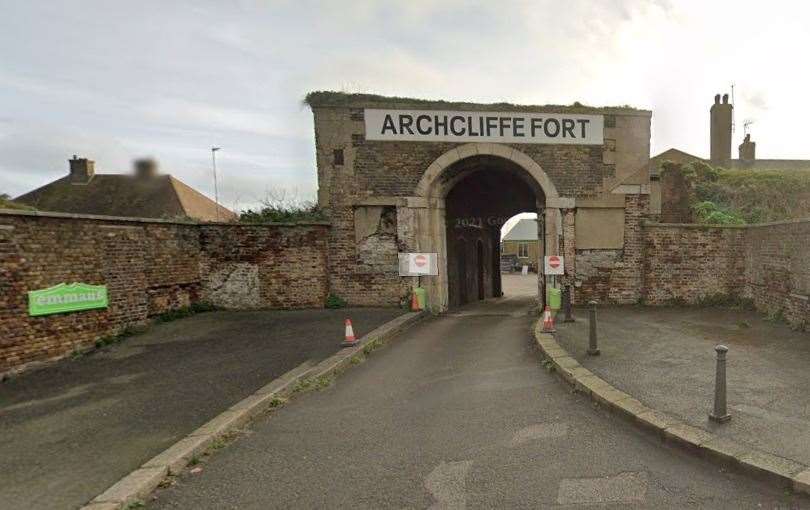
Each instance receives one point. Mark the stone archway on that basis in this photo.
(436, 183)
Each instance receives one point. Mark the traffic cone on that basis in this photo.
(350, 340)
(414, 302)
(548, 321)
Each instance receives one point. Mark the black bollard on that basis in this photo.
(593, 349)
(720, 412)
(569, 316)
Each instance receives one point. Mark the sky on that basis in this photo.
(113, 80)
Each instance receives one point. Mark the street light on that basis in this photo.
(216, 191)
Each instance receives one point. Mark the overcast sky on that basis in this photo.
(113, 80)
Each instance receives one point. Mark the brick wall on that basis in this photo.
(149, 267)
(615, 275)
(765, 263)
(777, 270)
(692, 263)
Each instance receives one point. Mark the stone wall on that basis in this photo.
(615, 275)
(150, 267)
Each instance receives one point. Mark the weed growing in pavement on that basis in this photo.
(194, 461)
(313, 384)
(323, 381)
(357, 359)
(218, 443)
(277, 402)
(371, 346)
(134, 504)
(776, 316)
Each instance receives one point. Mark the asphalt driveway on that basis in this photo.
(72, 429)
(457, 413)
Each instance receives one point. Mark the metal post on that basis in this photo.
(593, 350)
(216, 189)
(569, 317)
(720, 411)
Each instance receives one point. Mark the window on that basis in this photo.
(338, 157)
(523, 250)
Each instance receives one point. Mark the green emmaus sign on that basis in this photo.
(67, 298)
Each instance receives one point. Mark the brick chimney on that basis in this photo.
(145, 168)
(720, 144)
(748, 149)
(81, 170)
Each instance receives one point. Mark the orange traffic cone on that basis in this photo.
(414, 302)
(350, 340)
(548, 321)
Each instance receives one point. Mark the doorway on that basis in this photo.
(486, 192)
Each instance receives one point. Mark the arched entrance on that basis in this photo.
(469, 191)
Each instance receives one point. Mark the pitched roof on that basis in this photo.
(679, 156)
(160, 196)
(523, 230)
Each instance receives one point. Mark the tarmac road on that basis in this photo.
(75, 427)
(457, 413)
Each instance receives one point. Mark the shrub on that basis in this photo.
(333, 301)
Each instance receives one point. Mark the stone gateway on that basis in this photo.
(405, 175)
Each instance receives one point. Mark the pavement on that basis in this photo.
(457, 413)
(72, 429)
(665, 358)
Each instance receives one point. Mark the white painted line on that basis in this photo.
(447, 484)
(539, 431)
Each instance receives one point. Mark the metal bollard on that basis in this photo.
(569, 317)
(720, 412)
(593, 350)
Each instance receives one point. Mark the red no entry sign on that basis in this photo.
(554, 265)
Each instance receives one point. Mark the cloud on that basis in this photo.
(210, 117)
(171, 79)
(33, 155)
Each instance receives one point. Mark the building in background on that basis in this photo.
(142, 194)
(522, 242)
(673, 188)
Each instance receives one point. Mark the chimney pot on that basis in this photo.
(748, 149)
(720, 115)
(81, 170)
(145, 168)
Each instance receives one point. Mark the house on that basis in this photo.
(142, 194)
(522, 241)
(673, 194)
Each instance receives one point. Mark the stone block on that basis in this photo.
(133, 487)
(771, 466)
(177, 456)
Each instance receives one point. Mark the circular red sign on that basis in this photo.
(420, 260)
(554, 262)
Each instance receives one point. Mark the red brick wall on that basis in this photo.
(692, 263)
(765, 263)
(149, 267)
(777, 270)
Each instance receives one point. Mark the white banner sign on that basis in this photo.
(503, 127)
(418, 264)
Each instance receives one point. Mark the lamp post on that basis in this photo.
(216, 190)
